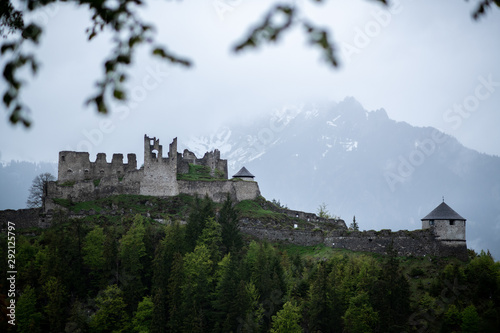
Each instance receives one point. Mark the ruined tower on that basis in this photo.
(160, 173)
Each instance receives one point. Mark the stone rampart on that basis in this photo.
(87, 190)
(406, 243)
(23, 218)
(217, 190)
(298, 237)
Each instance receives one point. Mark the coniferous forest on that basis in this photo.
(134, 274)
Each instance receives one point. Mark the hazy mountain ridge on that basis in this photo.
(389, 174)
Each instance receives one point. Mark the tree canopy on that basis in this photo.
(130, 32)
(93, 276)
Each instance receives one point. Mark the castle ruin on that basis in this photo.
(442, 233)
(79, 179)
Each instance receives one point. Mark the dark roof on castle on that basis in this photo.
(443, 212)
(243, 173)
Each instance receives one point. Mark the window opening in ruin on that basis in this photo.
(63, 158)
(101, 171)
(452, 222)
(86, 170)
(70, 171)
(431, 222)
(154, 153)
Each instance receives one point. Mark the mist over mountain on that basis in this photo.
(388, 174)
(15, 181)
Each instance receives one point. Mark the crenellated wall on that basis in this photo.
(79, 179)
(76, 166)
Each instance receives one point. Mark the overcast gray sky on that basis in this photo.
(424, 62)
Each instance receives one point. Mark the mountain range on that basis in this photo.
(360, 163)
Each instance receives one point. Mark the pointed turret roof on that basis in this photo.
(243, 173)
(443, 212)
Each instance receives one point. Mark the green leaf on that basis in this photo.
(7, 99)
(110, 66)
(32, 32)
(8, 46)
(119, 94)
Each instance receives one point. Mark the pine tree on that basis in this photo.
(56, 297)
(175, 284)
(28, 318)
(232, 241)
(470, 320)
(171, 245)
(196, 289)
(110, 315)
(141, 322)
(230, 298)
(287, 320)
(391, 294)
(130, 253)
(354, 225)
(360, 316)
(202, 211)
(320, 305)
(93, 255)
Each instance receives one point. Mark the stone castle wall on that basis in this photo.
(406, 243)
(79, 179)
(23, 218)
(330, 233)
(88, 190)
(211, 160)
(76, 166)
(218, 190)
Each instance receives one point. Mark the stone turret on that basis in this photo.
(446, 224)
